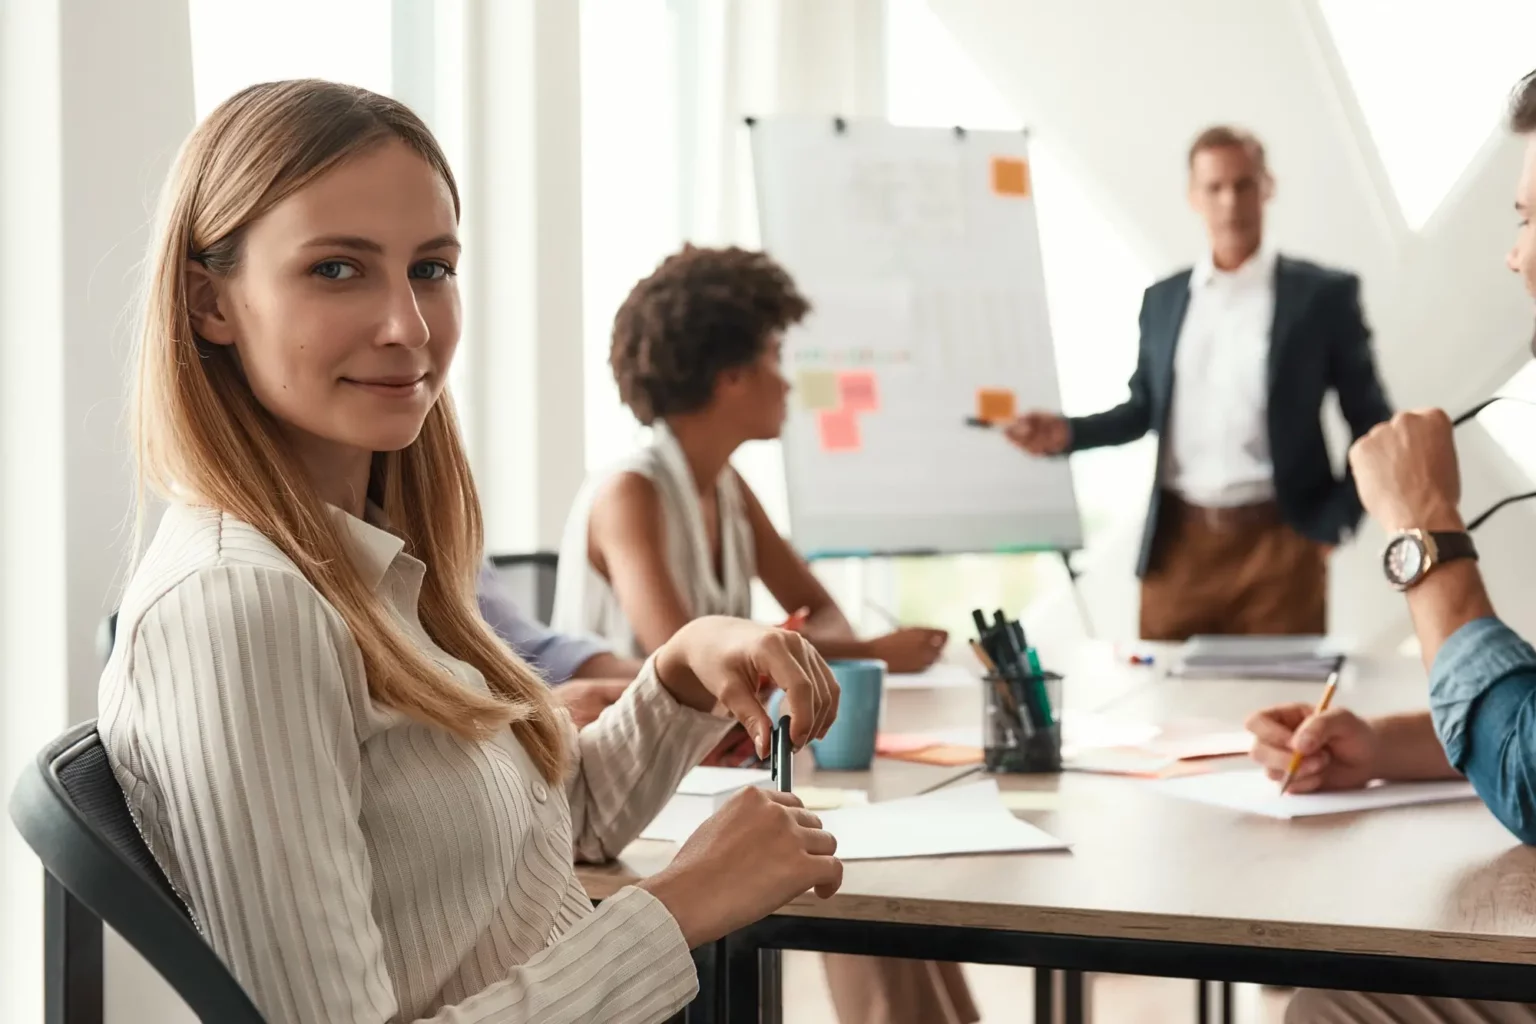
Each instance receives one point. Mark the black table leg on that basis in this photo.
(1226, 1002)
(1045, 995)
(1072, 997)
(771, 986)
(743, 981)
(705, 1008)
(1202, 1002)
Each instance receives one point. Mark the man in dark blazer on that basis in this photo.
(1236, 357)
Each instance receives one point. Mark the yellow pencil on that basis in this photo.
(981, 656)
(1322, 705)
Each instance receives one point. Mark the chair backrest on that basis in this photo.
(69, 809)
(530, 580)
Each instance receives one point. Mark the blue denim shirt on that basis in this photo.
(1482, 694)
(555, 656)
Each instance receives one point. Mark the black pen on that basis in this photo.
(782, 755)
(981, 624)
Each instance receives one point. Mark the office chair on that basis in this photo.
(74, 770)
(69, 809)
(530, 580)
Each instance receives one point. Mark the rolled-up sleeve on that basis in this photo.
(1482, 694)
(631, 760)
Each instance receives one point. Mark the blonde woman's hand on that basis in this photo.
(723, 665)
(757, 853)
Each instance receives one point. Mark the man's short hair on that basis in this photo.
(1224, 136)
(1522, 106)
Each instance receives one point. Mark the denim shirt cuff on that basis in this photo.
(1475, 657)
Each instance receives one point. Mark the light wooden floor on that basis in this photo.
(1006, 993)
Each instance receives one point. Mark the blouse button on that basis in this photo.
(540, 791)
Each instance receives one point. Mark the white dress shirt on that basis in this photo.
(350, 864)
(1217, 449)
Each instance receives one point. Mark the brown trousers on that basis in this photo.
(1231, 571)
(1315, 1007)
(871, 990)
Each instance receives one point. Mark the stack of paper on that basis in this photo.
(1094, 743)
(1258, 657)
(702, 792)
(1256, 793)
(966, 819)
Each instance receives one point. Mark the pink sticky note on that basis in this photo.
(858, 391)
(840, 431)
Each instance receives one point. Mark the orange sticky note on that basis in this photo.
(995, 405)
(839, 431)
(1010, 176)
(858, 391)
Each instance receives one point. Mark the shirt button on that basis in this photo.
(540, 791)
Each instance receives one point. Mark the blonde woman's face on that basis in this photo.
(344, 309)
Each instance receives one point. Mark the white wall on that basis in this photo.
(95, 96)
(1123, 85)
(522, 231)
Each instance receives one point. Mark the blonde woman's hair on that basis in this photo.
(201, 435)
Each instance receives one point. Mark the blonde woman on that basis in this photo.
(367, 802)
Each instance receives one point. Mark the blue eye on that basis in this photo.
(335, 270)
(432, 270)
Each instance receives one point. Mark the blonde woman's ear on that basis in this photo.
(204, 307)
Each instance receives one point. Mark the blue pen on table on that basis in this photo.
(782, 755)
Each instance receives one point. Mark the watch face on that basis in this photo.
(1404, 560)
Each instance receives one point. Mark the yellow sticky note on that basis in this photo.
(823, 798)
(1010, 176)
(817, 390)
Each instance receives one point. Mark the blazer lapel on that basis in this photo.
(1175, 329)
(1290, 294)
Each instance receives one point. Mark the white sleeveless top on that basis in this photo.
(584, 600)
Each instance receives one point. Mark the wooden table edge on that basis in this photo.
(602, 881)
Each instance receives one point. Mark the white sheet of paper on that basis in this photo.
(708, 780)
(966, 819)
(1254, 792)
(703, 791)
(943, 675)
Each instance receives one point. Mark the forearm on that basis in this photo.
(1408, 749)
(829, 624)
(631, 760)
(841, 648)
(607, 666)
(1446, 600)
(1120, 425)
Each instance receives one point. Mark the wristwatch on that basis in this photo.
(1411, 554)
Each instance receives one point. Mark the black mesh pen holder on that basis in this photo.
(1020, 730)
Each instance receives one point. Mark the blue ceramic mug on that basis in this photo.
(849, 745)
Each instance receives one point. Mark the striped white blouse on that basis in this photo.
(348, 863)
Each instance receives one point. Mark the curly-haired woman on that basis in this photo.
(672, 532)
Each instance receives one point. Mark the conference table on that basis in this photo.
(1433, 900)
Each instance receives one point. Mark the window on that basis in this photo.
(235, 45)
(1427, 127)
(1093, 285)
(629, 186)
